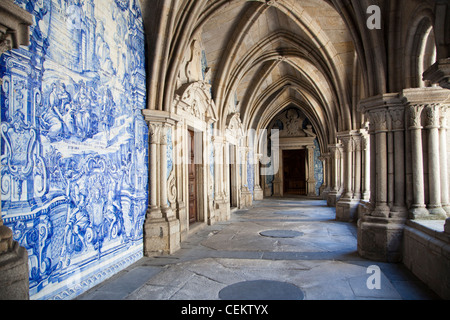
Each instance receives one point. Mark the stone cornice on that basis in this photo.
(14, 26)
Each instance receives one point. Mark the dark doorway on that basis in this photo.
(294, 172)
(192, 177)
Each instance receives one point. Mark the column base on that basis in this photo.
(333, 198)
(418, 213)
(399, 212)
(258, 193)
(347, 210)
(246, 198)
(14, 282)
(380, 239)
(277, 189)
(222, 209)
(447, 210)
(161, 236)
(437, 213)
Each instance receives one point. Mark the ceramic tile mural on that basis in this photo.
(74, 143)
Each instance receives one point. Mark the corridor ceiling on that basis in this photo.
(268, 55)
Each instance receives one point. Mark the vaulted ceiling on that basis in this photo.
(266, 55)
(270, 55)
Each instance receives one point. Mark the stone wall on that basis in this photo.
(74, 143)
(426, 252)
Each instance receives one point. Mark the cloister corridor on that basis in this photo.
(289, 241)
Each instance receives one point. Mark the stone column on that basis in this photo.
(365, 145)
(397, 115)
(346, 207)
(418, 209)
(347, 143)
(380, 232)
(311, 179)
(334, 175)
(357, 167)
(434, 205)
(154, 211)
(221, 167)
(246, 195)
(444, 161)
(378, 117)
(325, 188)
(226, 180)
(258, 193)
(165, 208)
(161, 227)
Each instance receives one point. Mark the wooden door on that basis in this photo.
(192, 177)
(294, 172)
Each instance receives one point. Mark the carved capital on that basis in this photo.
(398, 118)
(378, 120)
(154, 132)
(164, 133)
(347, 143)
(443, 117)
(432, 113)
(415, 111)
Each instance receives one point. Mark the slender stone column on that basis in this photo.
(311, 179)
(434, 206)
(418, 209)
(325, 188)
(334, 175)
(221, 167)
(378, 117)
(258, 193)
(365, 140)
(347, 206)
(246, 195)
(397, 115)
(161, 228)
(165, 208)
(357, 167)
(153, 211)
(444, 161)
(347, 143)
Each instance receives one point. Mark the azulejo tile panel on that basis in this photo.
(74, 159)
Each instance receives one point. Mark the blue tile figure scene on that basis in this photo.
(74, 160)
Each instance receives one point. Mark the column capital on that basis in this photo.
(432, 112)
(414, 113)
(443, 116)
(164, 133)
(154, 132)
(379, 120)
(397, 116)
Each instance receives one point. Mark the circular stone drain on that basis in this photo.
(261, 290)
(281, 233)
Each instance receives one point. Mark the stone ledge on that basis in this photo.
(433, 228)
(426, 253)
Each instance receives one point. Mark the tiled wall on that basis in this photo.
(74, 143)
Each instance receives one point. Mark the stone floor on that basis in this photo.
(279, 249)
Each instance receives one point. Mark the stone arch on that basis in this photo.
(420, 47)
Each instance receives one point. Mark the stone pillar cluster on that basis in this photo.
(161, 228)
(353, 174)
(409, 176)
